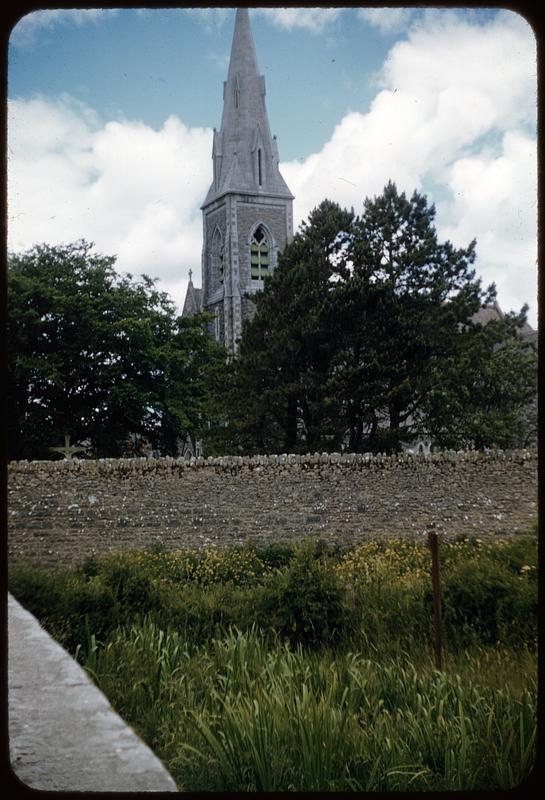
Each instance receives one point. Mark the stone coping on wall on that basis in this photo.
(64, 736)
(166, 464)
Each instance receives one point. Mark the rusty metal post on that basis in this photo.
(436, 579)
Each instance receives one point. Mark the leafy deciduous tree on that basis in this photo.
(98, 356)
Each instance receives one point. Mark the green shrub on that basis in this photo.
(391, 619)
(175, 566)
(276, 556)
(65, 604)
(489, 601)
(305, 604)
(238, 565)
(90, 566)
(39, 591)
(89, 607)
(516, 554)
(130, 579)
(42, 592)
(376, 596)
(201, 613)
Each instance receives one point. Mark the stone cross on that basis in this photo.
(68, 450)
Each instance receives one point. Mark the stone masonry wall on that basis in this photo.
(59, 512)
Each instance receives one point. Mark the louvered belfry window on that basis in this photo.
(220, 261)
(259, 254)
(218, 255)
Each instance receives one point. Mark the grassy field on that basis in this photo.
(310, 668)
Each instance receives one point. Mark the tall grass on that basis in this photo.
(307, 668)
(238, 715)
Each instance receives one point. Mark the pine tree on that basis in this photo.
(364, 338)
(277, 401)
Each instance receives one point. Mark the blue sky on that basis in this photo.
(150, 64)
(111, 111)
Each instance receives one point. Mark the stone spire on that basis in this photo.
(245, 155)
(247, 214)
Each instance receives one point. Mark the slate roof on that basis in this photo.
(244, 138)
(493, 312)
(193, 300)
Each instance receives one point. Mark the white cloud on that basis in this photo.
(387, 20)
(312, 19)
(450, 92)
(496, 195)
(495, 63)
(25, 31)
(454, 118)
(133, 190)
(212, 18)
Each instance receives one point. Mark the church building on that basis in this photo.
(247, 213)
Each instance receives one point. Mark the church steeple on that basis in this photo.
(245, 155)
(247, 214)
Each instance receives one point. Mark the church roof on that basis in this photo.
(493, 312)
(193, 300)
(245, 154)
(486, 314)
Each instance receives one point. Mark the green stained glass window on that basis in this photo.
(259, 254)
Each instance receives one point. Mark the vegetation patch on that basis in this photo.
(307, 668)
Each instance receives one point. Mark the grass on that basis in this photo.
(310, 668)
(239, 715)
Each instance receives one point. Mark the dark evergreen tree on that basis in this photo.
(487, 397)
(409, 296)
(364, 338)
(276, 398)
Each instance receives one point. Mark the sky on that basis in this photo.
(111, 112)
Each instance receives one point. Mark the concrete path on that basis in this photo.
(64, 735)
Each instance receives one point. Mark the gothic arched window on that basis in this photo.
(218, 255)
(259, 254)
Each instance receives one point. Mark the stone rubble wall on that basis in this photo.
(60, 512)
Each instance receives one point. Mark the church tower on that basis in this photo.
(247, 213)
